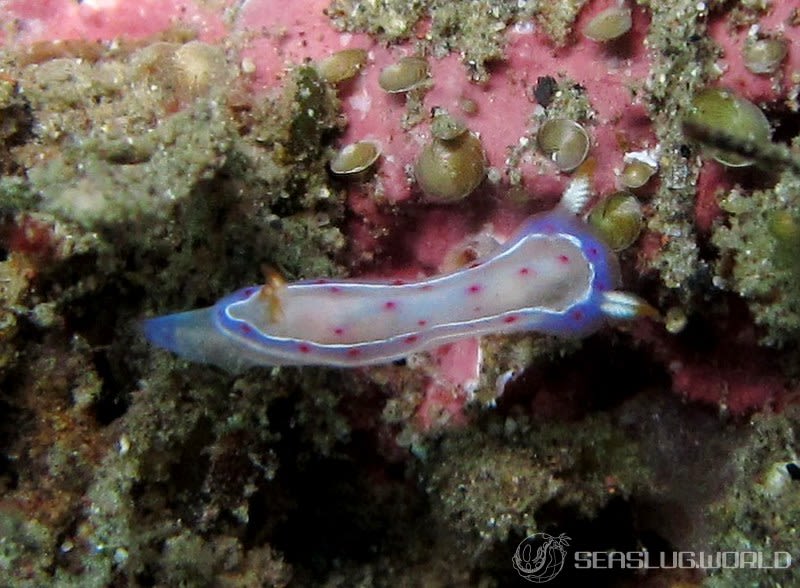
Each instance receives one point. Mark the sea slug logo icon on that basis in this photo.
(540, 557)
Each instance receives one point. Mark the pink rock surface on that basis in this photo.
(503, 105)
(103, 20)
(756, 87)
(763, 90)
(734, 375)
(451, 387)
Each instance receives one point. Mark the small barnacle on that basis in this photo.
(468, 105)
(720, 111)
(638, 169)
(618, 219)
(446, 127)
(342, 65)
(778, 476)
(784, 227)
(355, 158)
(449, 170)
(763, 55)
(565, 141)
(156, 62)
(404, 75)
(200, 66)
(675, 320)
(610, 24)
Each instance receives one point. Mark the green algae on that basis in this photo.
(22, 545)
(507, 356)
(394, 21)
(761, 510)
(12, 287)
(88, 185)
(189, 459)
(149, 206)
(505, 474)
(153, 166)
(759, 245)
(683, 61)
(16, 194)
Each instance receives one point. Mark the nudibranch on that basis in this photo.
(554, 275)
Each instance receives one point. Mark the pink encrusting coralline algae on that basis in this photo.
(499, 110)
(105, 20)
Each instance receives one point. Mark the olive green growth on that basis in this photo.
(305, 140)
(759, 247)
(491, 483)
(760, 511)
(141, 181)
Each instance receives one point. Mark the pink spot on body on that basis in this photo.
(338, 331)
(304, 348)
(334, 289)
(577, 315)
(422, 322)
(246, 329)
(390, 305)
(524, 271)
(353, 352)
(412, 339)
(510, 319)
(563, 259)
(474, 289)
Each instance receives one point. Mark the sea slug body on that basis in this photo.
(552, 276)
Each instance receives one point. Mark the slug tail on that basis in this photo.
(194, 336)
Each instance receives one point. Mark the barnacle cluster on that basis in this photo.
(618, 218)
(721, 111)
(452, 164)
(565, 141)
(609, 25)
(407, 74)
(355, 158)
(448, 168)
